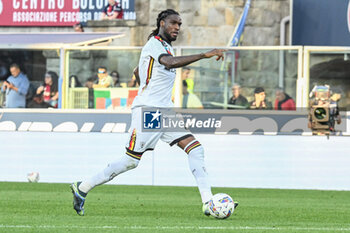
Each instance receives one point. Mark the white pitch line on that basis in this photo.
(177, 228)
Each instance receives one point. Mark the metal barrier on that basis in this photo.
(267, 66)
(291, 67)
(2, 98)
(78, 98)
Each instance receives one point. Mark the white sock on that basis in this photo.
(124, 164)
(196, 162)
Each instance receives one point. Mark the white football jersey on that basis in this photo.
(156, 81)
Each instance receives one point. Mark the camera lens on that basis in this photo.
(320, 113)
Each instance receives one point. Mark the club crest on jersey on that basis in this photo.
(152, 119)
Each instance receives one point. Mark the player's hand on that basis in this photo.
(215, 52)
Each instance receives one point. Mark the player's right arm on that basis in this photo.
(176, 62)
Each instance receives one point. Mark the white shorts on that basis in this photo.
(138, 142)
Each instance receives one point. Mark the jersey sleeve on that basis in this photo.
(157, 49)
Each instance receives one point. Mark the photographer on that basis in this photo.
(16, 88)
(334, 107)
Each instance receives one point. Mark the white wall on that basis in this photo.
(298, 162)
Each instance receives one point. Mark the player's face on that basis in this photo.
(171, 27)
(111, 2)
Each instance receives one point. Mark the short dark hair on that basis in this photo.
(15, 65)
(258, 90)
(102, 67)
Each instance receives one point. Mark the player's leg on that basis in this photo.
(138, 142)
(81, 189)
(196, 162)
(195, 152)
(128, 161)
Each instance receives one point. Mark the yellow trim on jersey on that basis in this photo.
(191, 147)
(149, 72)
(132, 141)
(133, 156)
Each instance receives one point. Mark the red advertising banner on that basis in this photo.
(56, 12)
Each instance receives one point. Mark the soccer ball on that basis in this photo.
(33, 177)
(221, 206)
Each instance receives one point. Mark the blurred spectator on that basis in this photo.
(3, 71)
(283, 101)
(49, 89)
(74, 81)
(133, 82)
(91, 99)
(113, 10)
(78, 27)
(30, 94)
(116, 79)
(16, 88)
(237, 98)
(90, 82)
(334, 104)
(185, 75)
(104, 80)
(259, 101)
(38, 102)
(189, 100)
(336, 94)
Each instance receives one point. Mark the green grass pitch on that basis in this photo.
(40, 207)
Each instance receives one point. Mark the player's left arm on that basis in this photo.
(176, 62)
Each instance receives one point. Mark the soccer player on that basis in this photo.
(156, 72)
